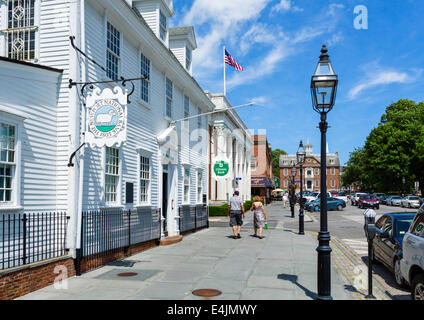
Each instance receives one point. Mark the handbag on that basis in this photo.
(266, 225)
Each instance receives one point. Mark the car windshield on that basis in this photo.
(342, 194)
(314, 194)
(369, 197)
(413, 198)
(396, 198)
(402, 226)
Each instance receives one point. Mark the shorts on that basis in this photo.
(236, 218)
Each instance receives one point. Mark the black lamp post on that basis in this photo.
(403, 187)
(300, 155)
(323, 90)
(293, 190)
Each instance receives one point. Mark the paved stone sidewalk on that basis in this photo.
(282, 266)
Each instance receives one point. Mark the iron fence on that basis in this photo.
(193, 217)
(31, 237)
(110, 230)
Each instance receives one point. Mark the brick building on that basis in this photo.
(261, 164)
(311, 170)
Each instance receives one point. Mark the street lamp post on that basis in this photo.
(323, 90)
(403, 187)
(293, 190)
(300, 154)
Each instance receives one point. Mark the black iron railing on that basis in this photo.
(193, 217)
(109, 230)
(31, 237)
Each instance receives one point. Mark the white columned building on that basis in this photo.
(230, 140)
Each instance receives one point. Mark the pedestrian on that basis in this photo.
(285, 199)
(259, 216)
(235, 212)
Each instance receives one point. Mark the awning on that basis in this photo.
(261, 183)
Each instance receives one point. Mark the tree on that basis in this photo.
(392, 150)
(276, 161)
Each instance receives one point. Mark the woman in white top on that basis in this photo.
(259, 216)
(285, 199)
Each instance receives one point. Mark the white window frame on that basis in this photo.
(332, 171)
(167, 98)
(148, 81)
(186, 197)
(286, 171)
(107, 22)
(148, 156)
(15, 203)
(5, 24)
(333, 183)
(199, 184)
(118, 202)
(186, 123)
(163, 28)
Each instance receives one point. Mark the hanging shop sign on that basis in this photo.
(106, 117)
(221, 168)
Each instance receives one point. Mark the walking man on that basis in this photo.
(235, 212)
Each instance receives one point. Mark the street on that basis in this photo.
(347, 226)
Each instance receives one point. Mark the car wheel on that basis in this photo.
(377, 207)
(417, 287)
(339, 207)
(401, 205)
(398, 275)
(409, 205)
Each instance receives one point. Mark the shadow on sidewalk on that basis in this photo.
(293, 279)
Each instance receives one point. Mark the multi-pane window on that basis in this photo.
(7, 162)
(113, 52)
(169, 98)
(286, 171)
(186, 185)
(333, 171)
(199, 186)
(20, 32)
(144, 179)
(145, 71)
(188, 58)
(162, 22)
(112, 175)
(186, 106)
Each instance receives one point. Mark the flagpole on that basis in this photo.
(223, 56)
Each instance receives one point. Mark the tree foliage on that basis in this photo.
(276, 161)
(392, 150)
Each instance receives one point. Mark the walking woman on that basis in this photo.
(259, 216)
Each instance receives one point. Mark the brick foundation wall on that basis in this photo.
(29, 278)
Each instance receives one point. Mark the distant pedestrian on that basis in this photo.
(285, 199)
(259, 216)
(235, 212)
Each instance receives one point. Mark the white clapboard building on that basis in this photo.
(162, 165)
(231, 148)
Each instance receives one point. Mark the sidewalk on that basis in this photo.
(282, 266)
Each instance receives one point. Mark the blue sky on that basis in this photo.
(278, 43)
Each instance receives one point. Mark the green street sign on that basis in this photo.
(221, 168)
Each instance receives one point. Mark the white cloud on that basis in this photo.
(284, 6)
(382, 77)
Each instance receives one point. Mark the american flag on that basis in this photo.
(230, 60)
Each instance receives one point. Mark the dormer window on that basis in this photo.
(162, 23)
(20, 32)
(188, 58)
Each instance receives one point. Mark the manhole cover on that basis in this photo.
(207, 292)
(127, 274)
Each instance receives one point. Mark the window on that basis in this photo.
(111, 175)
(186, 185)
(20, 32)
(333, 171)
(188, 58)
(417, 228)
(316, 183)
(286, 183)
(286, 171)
(113, 52)
(316, 171)
(186, 106)
(162, 22)
(7, 162)
(199, 186)
(333, 183)
(168, 98)
(144, 180)
(145, 71)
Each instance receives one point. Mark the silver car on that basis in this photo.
(412, 262)
(410, 202)
(395, 201)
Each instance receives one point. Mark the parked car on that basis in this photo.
(387, 201)
(378, 196)
(421, 199)
(332, 204)
(410, 202)
(387, 245)
(342, 196)
(395, 201)
(311, 196)
(412, 263)
(368, 201)
(382, 199)
(355, 198)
